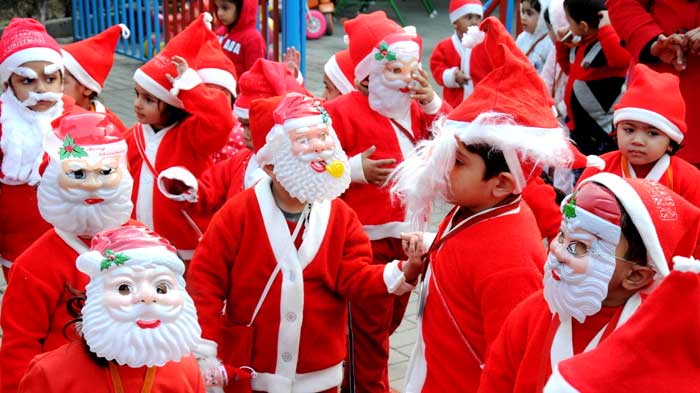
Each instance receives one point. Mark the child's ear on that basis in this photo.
(584, 26)
(503, 186)
(638, 277)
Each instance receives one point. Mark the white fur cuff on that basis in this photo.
(187, 81)
(394, 279)
(448, 78)
(433, 106)
(683, 264)
(357, 174)
(185, 176)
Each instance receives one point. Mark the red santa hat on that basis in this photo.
(90, 60)
(25, 40)
(341, 72)
(214, 67)
(654, 98)
(655, 351)
(88, 135)
(262, 119)
(668, 224)
(511, 110)
(375, 38)
(265, 79)
(128, 246)
(459, 8)
(594, 208)
(153, 76)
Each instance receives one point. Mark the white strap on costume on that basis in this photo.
(315, 381)
(657, 171)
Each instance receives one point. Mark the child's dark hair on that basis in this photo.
(585, 11)
(675, 146)
(173, 114)
(545, 16)
(493, 159)
(239, 7)
(636, 251)
(534, 4)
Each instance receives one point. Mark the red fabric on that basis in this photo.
(242, 42)
(115, 120)
(95, 55)
(212, 55)
(220, 271)
(366, 31)
(513, 271)
(262, 119)
(190, 144)
(358, 127)
(515, 363)
(637, 26)
(342, 58)
(25, 33)
(541, 198)
(618, 60)
(89, 131)
(295, 106)
(34, 304)
(20, 221)
(233, 145)
(444, 57)
(222, 182)
(685, 176)
(496, 35)
(70, 369)
(266, 79)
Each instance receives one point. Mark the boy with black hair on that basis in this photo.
(597, 67)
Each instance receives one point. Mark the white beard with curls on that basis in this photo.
(385, 96)
(578, 295)
(23, 132)
(300, 180)
(66, 209)
(114, 334)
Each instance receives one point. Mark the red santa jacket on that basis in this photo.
(444, 61)
(519, 361)
(480, 277)
(639, 22)
(189, 143)
(358, 128)
(242, 42)
(222, 182)
(299, 330)
(71, 369)
(20, 221)
(671, 171)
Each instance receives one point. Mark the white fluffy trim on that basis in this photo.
(683, 264)
(184, 175)
(593, 161)
(80, 73)
(218, 77)
(473, 37)
(126, 33)
(466, 9)
(91, 261)
(649, 117)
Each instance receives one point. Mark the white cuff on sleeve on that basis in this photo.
(357, 175)
(448, 78)
(187, 81)
(394, 279)
(433, 106)
(185, 176)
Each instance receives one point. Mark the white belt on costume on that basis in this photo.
(185, 255)
(388, 230)
(315, 381)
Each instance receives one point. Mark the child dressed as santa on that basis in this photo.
(31, 70)
(285, 313)
(138, 326)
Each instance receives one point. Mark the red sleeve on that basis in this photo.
(634, 24)
(210, 122)
(253, 49)
(35, 380)
(562, 56)
(214, 185)
(208, 277)
(438, 64)
(27, 307)
(615, 54)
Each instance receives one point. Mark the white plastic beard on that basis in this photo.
(114, 334)
(66, 209)
(385, 96)
(23, 132)
(578, 295)
(301, 181)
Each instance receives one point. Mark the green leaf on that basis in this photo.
(378, 56)
(383, 46)
(63, 154)
(390, 56)
(570, 207)
(105, 264)
(79, 152)
(67, 141)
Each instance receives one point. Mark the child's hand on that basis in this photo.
(692, 43)
(421, 91)
(670, 50)
(604, 19)
(461, 78)
(375, 171)
(292, 58)
(412, 244)
(181, 66)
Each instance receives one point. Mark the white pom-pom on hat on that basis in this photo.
(126, 33)
(686, 264)
(473, 37)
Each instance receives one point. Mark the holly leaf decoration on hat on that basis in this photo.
(570, 207)
(324, 115)
(113, 258)
(385, 53)
(70, 149)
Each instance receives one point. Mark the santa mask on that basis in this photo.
(307, 157)
(86, 188)
(390, 79)
(137, 311)
(581, 258)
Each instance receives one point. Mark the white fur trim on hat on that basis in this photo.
(683, 264)
(218, 77)
(402, 49)
(26, 55)
(306, 121)
(473, 37)
(91, 261)
(636, 209)
(242, 113)
(96, 153)
(594, 161)
(649, 117)
(466, 9)
(153, 87)
(79, 73)
(335, 74)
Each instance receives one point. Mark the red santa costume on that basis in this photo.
(24, 40)
(510, 111)
(653, 352)
(309, 277)
(340, 70)
(242, 42)
(534, 339)
(138, 325)
(91, 60)
(639, 24)
(450, 56)
(188, 143)
(85, 188)
(641, 103)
